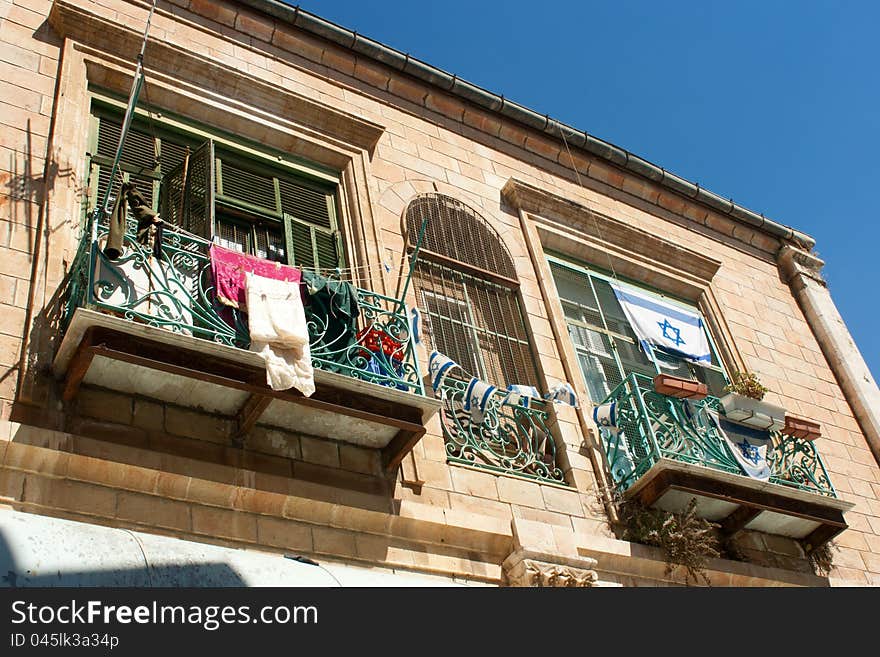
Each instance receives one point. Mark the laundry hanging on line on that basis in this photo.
(229, 267)
(279, 333)
(334, 307)
(150, 226)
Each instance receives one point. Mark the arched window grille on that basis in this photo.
(467, 289)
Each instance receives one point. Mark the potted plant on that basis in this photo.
(675, 386)
(744, 404)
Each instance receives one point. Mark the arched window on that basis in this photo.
(467, 288)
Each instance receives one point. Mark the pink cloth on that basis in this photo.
(229, 268)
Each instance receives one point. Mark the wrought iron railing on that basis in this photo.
(175, 292)
(652, 426)
(513, 439)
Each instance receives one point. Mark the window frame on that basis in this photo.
(590, 273)
(279, 165)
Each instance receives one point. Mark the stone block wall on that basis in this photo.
(135, 461)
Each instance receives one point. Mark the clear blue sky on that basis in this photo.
(774, 103)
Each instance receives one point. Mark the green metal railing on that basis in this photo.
(175, 292)
(653, 426)
(510, 439)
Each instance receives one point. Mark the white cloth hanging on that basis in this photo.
(279, 332)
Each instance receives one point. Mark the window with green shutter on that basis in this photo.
(211, 189)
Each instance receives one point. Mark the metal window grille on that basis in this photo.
(467, 286)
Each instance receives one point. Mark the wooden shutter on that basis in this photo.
(199, 204)
(309, 215)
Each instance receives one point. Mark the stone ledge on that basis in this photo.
(646, 565)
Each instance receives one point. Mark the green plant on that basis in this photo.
(686, 540)
(822, 558)
(746, 384)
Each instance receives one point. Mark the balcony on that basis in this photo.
(511, 439)
(150, 326)
(665, 454)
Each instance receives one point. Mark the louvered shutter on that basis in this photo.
(199, 203)
(309, 215)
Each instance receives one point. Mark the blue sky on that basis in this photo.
(772, 103)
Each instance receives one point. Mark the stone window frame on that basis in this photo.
(320, 134)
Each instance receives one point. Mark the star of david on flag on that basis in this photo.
(562, 393)
(519, 395)
(476, 398)
(658, 323)
(749, 446)
(438, 367)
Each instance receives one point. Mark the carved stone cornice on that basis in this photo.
(526, 568)
(794, 262)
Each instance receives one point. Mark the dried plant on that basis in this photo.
(686, 540)
(746, 384)
(822, 558)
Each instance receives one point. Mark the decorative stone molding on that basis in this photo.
(793, 262)
(525, 568)
(801, 270)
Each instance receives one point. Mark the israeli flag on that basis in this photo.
(658, 323)
(415, 319)
(605, 415)
(562, 393)
(476, 398)
(518, 395)
(616, 450)
(749, 446)
(438, 367)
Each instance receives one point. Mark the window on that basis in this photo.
(467, 287)
(218, 192)
(604, 341)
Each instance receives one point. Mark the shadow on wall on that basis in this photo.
(42, 552)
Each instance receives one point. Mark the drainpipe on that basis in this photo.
(801, 271)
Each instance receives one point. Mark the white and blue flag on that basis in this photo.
(605, 415)
(438, 367)
(749, 446)
(519, 395)
(476, 398)
(658, 323)
(562, 393)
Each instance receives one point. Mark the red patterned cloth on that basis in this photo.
(229, 268)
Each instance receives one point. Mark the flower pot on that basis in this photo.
(674, 386)
(753, 412)
(801, 428)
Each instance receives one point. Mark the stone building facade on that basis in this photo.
(149, 414)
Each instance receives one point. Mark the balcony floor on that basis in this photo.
(738, 502)
(131, 357)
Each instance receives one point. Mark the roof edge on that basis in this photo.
(492, 102)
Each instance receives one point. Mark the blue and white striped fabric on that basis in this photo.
(605, 415)
(476, 398)
(518, 395)
(438, 367)
(658, 323)
(749, 446)
(415, 319)
(562, 393)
